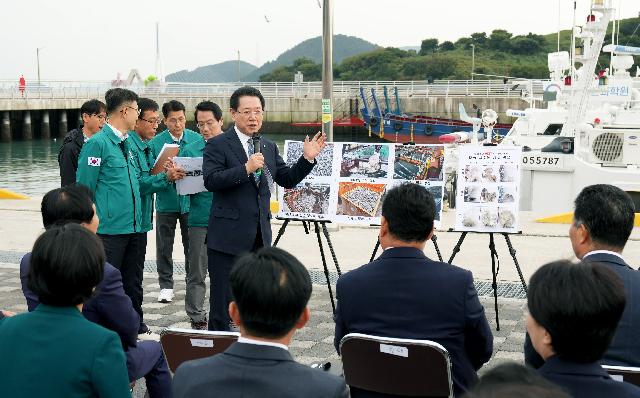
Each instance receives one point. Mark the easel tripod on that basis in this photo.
(318, 225)
(494, 269)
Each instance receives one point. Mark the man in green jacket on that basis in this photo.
(107, 167)
(145, 130)
(208, 117)
(167, 204)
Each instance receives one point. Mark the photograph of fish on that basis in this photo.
(325, 159)
(364, 160)
(489, 174)
(418, 162)
(472, 194)
(506, 194)
(489, 195)
(508, 173)
(472, 173)
(307, 198)
(506, 218)
(360, 199)
(488, 217)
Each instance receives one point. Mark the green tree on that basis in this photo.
(428, 46)
(479, 38)
(447, 46)
(499, 40)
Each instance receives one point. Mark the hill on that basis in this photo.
(219, 73)
(343, 47)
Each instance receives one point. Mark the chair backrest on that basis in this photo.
(180, 345)
(624, 373)
(417, 368)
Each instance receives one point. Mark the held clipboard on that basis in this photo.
(167, 151)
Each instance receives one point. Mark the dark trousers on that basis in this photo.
(165, 235)
(147, 360)
(126, 252)
(220, 265)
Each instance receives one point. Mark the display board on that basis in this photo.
(488, 191)
(350, 180)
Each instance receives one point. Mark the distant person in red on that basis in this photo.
(22, 84)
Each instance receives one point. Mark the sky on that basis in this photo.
(91, 40)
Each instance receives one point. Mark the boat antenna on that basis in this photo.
(573, 45)
(559, 24)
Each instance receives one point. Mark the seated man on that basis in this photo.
(271, 289)
(573, 314)
(602, 223)
(110, 307)
(510, 380)
(404, 294)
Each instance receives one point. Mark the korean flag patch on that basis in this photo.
(94, 161)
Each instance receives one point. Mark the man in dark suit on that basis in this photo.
(271, 289)
(241, 178)
(573, 314)
(404, 294)
(602, 223)
(110, 307)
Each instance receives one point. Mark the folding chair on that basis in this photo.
(624, 373)
(417, 368)
(180, 345)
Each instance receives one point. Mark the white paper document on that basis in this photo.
(193, 182)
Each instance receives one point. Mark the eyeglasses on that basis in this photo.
(247, 113)
(154, 121)
(100, 117)
(208, 123)
(180, 120)
(130, 107)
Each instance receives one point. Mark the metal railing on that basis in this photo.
(53, 90)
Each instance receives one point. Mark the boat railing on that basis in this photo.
(63, 89)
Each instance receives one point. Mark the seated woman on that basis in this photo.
(54, 351)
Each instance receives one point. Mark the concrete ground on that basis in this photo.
(539, 243)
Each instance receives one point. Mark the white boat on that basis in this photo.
(590, 131)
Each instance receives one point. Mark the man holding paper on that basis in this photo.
(208, 116)
(167, 204)
(239, 167)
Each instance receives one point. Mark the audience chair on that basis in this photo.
(181, 345)
(417, 368)
(624, 373)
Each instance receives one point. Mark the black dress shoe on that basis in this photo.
(143, 328)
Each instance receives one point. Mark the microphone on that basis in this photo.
(255, 139)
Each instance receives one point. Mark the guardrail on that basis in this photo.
(341, 89)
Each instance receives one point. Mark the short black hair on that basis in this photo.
(271, 289)
(409, 210)
(208, 106)
(579, 306)
(92, 107)
(67, 263)
(146, 104)
(116, 97)
(514, 380)
(607, 212)
(172, 106)
(71, 203)
(246, 91)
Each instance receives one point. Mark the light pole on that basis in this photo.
(38, 60)
(327, 68)
(473, 60)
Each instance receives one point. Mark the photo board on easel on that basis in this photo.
(488, 190)
(350, 180)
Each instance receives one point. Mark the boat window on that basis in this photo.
(553, 129)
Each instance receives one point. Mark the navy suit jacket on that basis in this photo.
(240, 204)
(586, 380)
(625, 347)
(249, 370)
(403, 294)
(110, 307)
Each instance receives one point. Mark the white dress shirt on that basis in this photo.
(604, 252)
(120, 134)
(246, 340)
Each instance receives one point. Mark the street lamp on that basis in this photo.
(38, 59)
(327, 68)
(473, 60)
